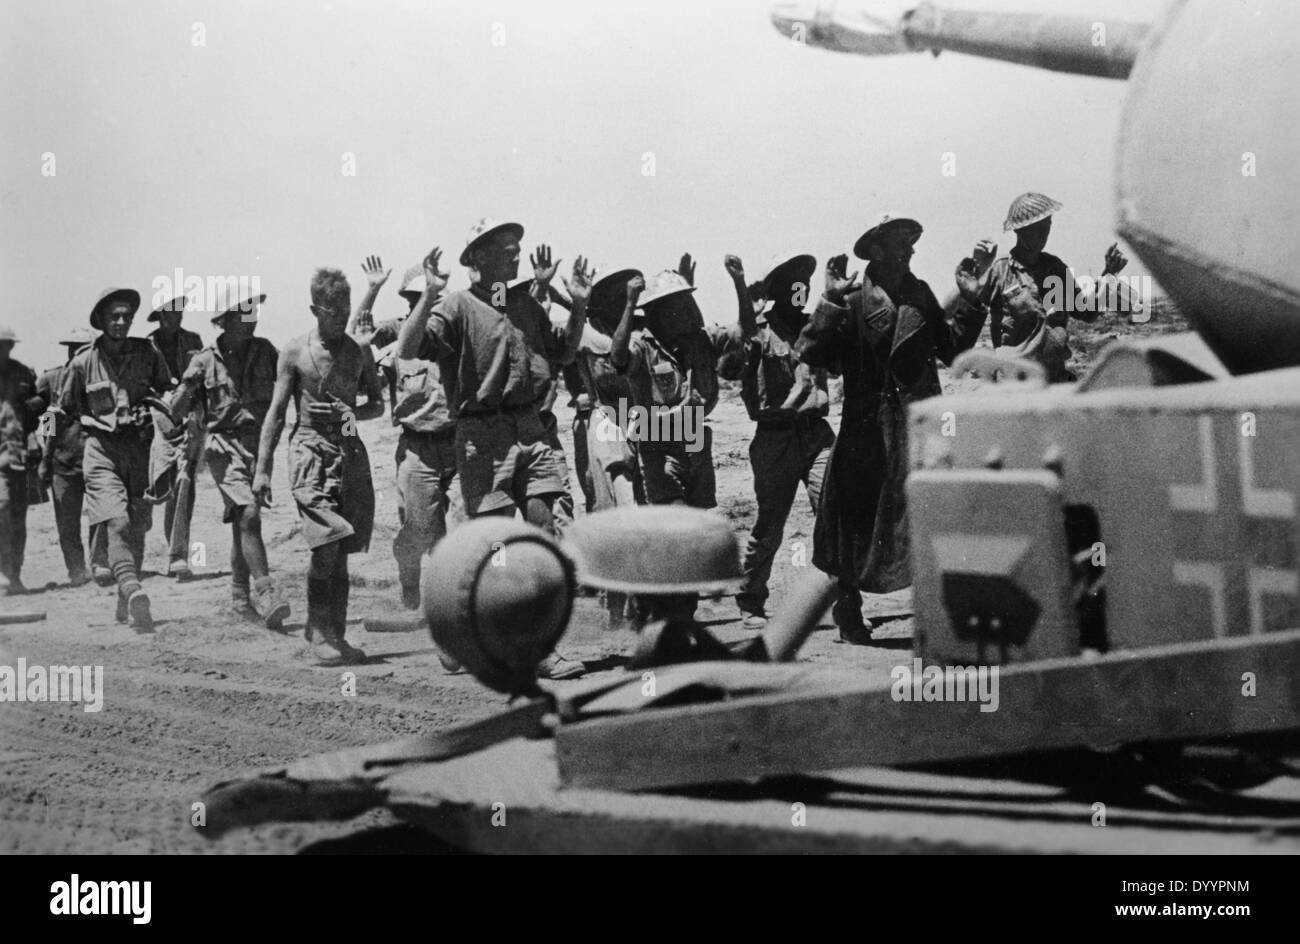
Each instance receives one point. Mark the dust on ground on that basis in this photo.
(209, 694)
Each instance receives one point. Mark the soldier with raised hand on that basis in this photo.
(174, 454)
(62, 446)
(227, 387)
(415, 518)
(1029, 294)
(883, 337)
(671, 372)
(20, 410)
(427, 489)
(788, 402)
(545, 267)
(502, 347)
(613, 472)
(670, 363)
(329, 470)
(111, 385)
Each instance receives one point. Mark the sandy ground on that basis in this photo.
(210, 694)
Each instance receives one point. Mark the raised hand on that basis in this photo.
(1115, 260)
(985, 251)
(375, 271)
(635, 286)
(363, 331)
(579, 285)
(686, 268)
(735, 268)
(838, 283)
(968, 283)
(434, 278)
(543, 268)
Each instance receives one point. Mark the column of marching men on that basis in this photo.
(472, 377)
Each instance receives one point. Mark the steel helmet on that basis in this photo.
(661, 549)
(1028, 209)
(497, 594)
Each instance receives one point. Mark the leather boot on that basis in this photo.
(270, 606)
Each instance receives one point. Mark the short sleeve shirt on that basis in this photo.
(236, 392)
(502, 355)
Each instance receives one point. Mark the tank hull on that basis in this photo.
(861, 811)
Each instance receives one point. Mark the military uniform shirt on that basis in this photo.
(177, 358)
(421, 403)
(18, 413)
(501, 356)
(238, 399)
(1014, 296)
(69, 438)
(103, 391)
(774, 383)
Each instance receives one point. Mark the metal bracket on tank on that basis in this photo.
(1010, 374)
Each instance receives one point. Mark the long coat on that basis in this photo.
(884, 345)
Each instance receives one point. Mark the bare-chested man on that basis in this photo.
(329, 470)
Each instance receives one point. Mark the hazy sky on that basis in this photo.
(226, 159)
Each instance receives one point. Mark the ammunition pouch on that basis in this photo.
(101, 398)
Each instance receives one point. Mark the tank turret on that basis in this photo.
(1203, 188)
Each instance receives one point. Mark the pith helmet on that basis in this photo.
(412, 282)
(663, 285)
(7, 334)
(242, 308)
(497, 596)
(1028, 209)
(483, 229)
(887, 220)
(110, 295)
(78, 337)
(660, 549)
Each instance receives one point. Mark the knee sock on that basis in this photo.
(122, 562)
(127, 581)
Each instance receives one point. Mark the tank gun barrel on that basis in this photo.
(1075, 44)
